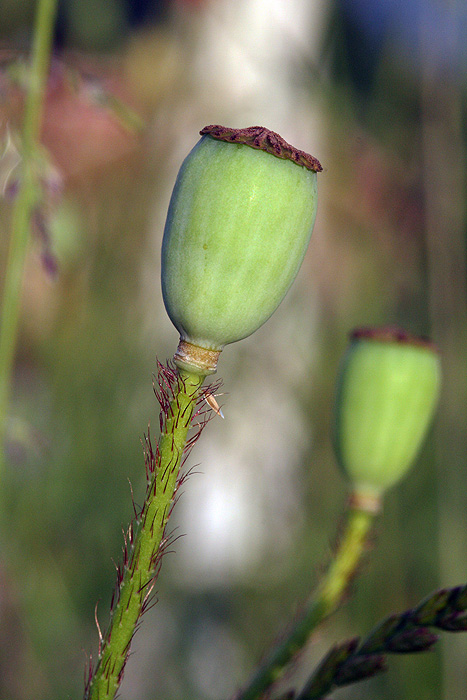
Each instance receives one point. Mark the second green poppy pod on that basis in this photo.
(387, 392)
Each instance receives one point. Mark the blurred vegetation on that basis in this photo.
(382, 105)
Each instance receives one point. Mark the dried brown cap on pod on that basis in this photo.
(391, 334)
(264, 140)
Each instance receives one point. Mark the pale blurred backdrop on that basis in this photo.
(377, 92)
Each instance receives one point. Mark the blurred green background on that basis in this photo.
(377, 92)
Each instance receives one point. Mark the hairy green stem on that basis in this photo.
(325, 600)
(148, 542)
(25, 201)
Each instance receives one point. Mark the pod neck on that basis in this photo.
(195, 358)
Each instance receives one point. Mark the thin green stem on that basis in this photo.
(148, 542)
(25, 201)
(325, 600)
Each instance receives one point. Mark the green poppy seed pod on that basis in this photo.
(239, 222)
(387, 392)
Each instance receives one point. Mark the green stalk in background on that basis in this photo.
(325, 601)
(146, 539)
(25, 202)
